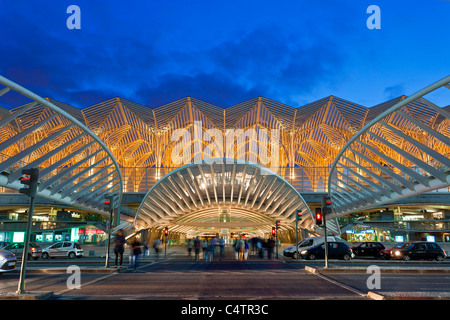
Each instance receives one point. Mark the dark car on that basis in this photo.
(387, 253)
(420, 251)
(336, 250)
(368, 249)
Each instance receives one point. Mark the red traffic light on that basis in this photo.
(166, 231)
(274, 231)
(319, 217)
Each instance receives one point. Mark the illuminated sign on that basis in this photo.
(19, 237)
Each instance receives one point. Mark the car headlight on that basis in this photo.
(303, 252)
(397, 253)
(2, 258)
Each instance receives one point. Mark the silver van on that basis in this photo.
(69, 249)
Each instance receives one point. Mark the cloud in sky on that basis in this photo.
(156, 52)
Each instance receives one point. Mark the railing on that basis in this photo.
(141, 179)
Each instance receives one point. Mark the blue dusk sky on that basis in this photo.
(225, 52)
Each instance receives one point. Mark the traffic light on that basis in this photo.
(274, 231)
(319, 217)
(31, 180)
(166, 231)
(326, 205)
(109, 203)
(278, 224)
(298, 216)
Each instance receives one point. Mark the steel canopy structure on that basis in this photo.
(372, 155)
(222, 193)
(76, 167)
(403, 151)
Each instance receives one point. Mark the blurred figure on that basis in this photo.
(136, 250)
(119, 248)
(259, 245)
(270, 247)
(205, 248)
(222, 247)
(145, 251)
(246, 249)
(157, 247)
(212, 247)
(190, 245)
(240, 246)
(197, 247)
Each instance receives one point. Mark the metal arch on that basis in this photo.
(77, 168)
(197, 189)
(396, 155)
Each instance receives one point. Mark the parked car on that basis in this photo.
(420, 251)
(3, 244)
(34, 250)
(309, 243)
(7, 261)
(336, 250)
(368, 249)
(387, 253)
(69, 249)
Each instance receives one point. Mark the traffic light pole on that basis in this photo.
(108, 245)
(325, 240)
(297, 219)
(324, 218)
(23, 267)
(276, 242)
(165, 247)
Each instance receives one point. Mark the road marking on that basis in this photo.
(360, 293)
(88, 283)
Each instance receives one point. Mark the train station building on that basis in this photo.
(205, 170)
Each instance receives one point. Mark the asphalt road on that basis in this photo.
(180, 278)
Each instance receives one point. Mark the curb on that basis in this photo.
(375, 296)
(383, 270)
(64, 270)
(28, 296)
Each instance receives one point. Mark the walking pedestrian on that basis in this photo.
(136, 249)
(240, 246)
(119, 248)
(222, 247)
(270, 247)
(190, 245)
(214, 242)
(205, 248)
(260, 248)
(246, 249)
(197, 247)
(157, 247)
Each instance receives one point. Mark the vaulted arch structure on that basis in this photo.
(404, 150)
(222, 194)
(76, 167)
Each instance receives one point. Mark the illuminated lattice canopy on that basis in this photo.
(403, 151)
(76, 167)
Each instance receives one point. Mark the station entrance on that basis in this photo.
(222, 199)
